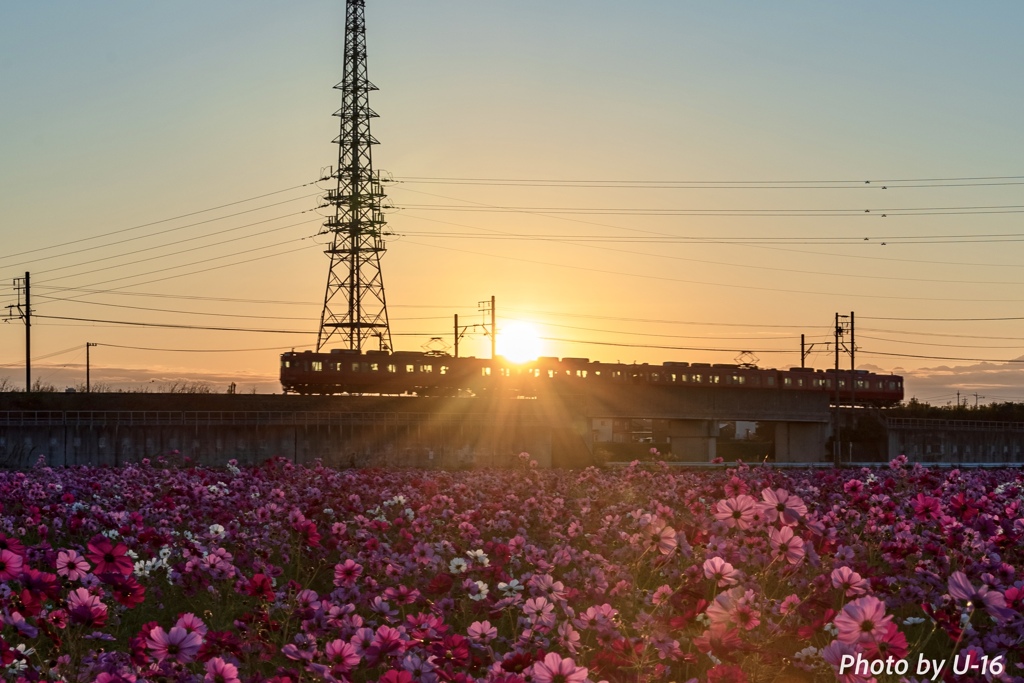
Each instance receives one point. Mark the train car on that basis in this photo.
(438, 374)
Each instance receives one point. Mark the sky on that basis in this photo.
(641, 182)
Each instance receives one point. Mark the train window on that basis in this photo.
(616, 374)
(581, 373)
(861, 384)
(714, 379)
(443, 369)
(551, 374)
(505, 372)
(318, 366)
(355, 367)
(739, 379)
(696, 378)
(787, 381)
(655, 377)
(410, 368)
(828, 383)
(842, 384)
(286, 364)
(536, 372)
(769, 381)
(426, 368)
(819, 382)
(799, 381)
(597, 373)
(392, 367)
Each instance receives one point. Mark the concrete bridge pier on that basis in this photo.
(800, 441)
(692, 440)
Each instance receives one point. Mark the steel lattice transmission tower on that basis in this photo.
(355, 308)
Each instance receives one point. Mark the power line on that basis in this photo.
(908, 355)
(714, 284)
(920, 343)
(976, 181)
(164, 220)
(760, 213)
(666, 348)
(946, 319)
(147, 348)
(176, 243)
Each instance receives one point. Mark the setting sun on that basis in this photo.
(519, 342)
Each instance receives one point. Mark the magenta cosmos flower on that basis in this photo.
(739, 512)
(863, 620)
(554, 668)
(10, 565)
(109, 558)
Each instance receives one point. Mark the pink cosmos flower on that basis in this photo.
(86, 608)
(109, 558)
(786, 545)
(556, 668)
(347, 573)
(737, 512)
(862, 620)
(71, 565)
(849, 581)
(10, 565)
(341, 655)
(177, 644)
(721, 572)
(192, 623)
(482, 632)
(780, 504)
(661, 537)
(733, 608)
(219, 671)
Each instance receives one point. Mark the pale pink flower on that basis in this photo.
(780, 504)
(739, 512)
(849, 581)
(219, 671)
(862, 620)
(721, 572)
(787, 545)
(482, 632)
(554, 668)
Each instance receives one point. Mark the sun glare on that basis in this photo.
(519, 342)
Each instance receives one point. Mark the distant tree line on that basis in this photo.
(992, 412)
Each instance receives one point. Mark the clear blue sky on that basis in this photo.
(118, 114)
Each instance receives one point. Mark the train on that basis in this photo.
(413, 373)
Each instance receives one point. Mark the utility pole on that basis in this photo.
(976, 397)
(836, 449)
(485, 308)
(840, 330)
(25, 313)
(355, 307)
(457, 335)
(88, 387)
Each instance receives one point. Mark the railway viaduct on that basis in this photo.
(556, 429)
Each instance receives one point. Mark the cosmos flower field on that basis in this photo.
(161, 572)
